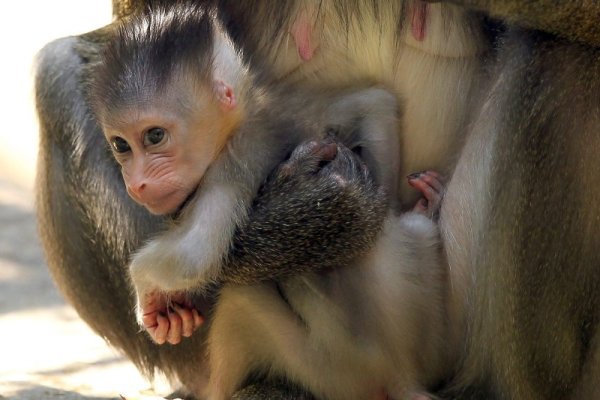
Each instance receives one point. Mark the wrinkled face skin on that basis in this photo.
(163, 152)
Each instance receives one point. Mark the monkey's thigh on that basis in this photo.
(252, 330)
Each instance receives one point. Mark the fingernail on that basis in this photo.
(414, 175)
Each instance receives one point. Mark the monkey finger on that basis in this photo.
(434, 179)
(174, 333)
(187, 320)
(150, 319)
(426, 184)
(434, 198)
(198, 319)
(307, 157)
(421, 206)
(159, 333)
(304, 150)
(436, 175)
(179, 298)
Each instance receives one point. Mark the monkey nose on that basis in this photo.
(137, 191)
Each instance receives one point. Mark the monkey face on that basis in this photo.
(163, 155)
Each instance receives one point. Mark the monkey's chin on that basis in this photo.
(181, 208)
(168, 205)
(159, 210)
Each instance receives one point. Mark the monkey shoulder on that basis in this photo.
(55, 66)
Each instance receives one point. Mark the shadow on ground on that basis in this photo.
(22, 266)
(46, 351)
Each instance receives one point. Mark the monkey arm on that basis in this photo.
(575, 20)
(308, 218)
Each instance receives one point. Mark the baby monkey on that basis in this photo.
(196, 133)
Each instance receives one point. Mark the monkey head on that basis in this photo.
(165, 146)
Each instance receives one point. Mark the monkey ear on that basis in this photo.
(225, 95)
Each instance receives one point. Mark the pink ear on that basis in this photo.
(225, 95)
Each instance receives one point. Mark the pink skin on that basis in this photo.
(418, 20)
(302, 29)
(431, 185)
(302, 33)
(169, 318)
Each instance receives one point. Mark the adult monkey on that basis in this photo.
(527, 273)
(90, 226)
(525, 160)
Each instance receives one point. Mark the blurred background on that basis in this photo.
(45, 350)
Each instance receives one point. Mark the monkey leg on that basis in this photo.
(518, 231)
(250, 332)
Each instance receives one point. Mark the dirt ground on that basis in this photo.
(46, 351)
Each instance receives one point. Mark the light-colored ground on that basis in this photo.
(46, 351)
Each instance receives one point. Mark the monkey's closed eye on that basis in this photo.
(119, 145)
(154, 136)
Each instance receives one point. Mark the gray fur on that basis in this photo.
(530, 255)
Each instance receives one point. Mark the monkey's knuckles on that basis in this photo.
(306, 159)
(331, 163)
(178, 323)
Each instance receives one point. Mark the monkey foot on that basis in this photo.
(431, 186)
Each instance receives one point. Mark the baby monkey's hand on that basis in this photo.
(167, 317)
(431, 186)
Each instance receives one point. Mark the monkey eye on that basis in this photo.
(119, 144)
(154, 136)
